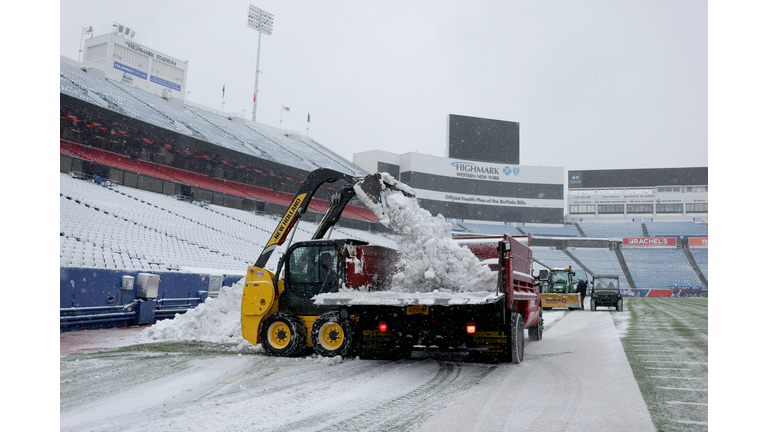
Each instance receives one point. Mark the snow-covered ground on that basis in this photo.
(180, 385)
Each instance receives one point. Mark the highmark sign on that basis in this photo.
(146, 52)
(472, 170)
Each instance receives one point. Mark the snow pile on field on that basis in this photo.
(216, 320)
(429, 258)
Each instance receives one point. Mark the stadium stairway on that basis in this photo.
(576, 260)
(625, 269)
(695, 267)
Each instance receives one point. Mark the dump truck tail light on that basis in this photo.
(471, 328)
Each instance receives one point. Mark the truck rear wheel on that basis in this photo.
(536, 332)
(593, 305)
(332, 336)
(283, 334)
(620, 305)
(406, 351)
(516, 339)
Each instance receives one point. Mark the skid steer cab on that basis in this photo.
(279, 312)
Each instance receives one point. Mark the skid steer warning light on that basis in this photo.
(471, 328)
(383, 327)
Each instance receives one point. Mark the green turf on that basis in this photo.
(666, 343)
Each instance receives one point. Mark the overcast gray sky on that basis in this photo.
(595, 84)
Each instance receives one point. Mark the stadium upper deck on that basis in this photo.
(228, 132)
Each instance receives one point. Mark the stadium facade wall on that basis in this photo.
(683, 202)
(137, 65)
(648, 194)
(476, 190)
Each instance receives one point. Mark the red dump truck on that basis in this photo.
(333, 296)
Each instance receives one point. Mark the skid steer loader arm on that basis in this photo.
(371, 185)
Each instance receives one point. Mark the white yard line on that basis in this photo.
(685, 378)
(662, 368)
(687, 403)
(686, 389)
(692, 422)
(666, 328)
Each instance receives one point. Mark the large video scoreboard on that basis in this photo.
(484, 140)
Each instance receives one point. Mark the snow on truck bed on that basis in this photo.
(351, 297)
(430, 258)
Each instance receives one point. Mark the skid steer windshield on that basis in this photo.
(312, 270)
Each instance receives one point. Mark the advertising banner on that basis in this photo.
(164, 83)
(700, 242)
(650, 242)
(130, 70)
(486, 200)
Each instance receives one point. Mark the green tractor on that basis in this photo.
(559, 288)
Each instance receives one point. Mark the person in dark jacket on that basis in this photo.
(581, 288)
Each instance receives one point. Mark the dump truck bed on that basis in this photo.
(389, 298)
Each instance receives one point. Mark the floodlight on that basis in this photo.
(261, 21)
(122, 30)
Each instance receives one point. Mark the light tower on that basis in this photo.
(261, 21)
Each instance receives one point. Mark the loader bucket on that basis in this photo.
(372, 186)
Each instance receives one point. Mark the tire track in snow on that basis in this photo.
(303, 373)
(411, 409)
(404, 412)
(560, 407)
